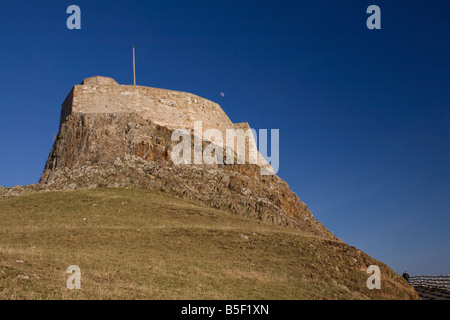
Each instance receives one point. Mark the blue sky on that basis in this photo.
(363, 114)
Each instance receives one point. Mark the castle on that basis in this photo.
(173, 109)
(167, 108)
(120, 136)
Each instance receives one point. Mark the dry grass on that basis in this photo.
(132, 244)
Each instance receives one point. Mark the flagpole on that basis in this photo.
(134, 68)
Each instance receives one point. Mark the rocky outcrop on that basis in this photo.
(126, 150)
(123, 148)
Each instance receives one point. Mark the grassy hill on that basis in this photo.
(133, 244)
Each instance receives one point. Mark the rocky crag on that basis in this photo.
(115, 135)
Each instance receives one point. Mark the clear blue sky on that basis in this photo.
(363, 114)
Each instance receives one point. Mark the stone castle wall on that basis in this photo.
(167, 108)
(173, 109)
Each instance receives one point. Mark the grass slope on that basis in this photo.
(133, 244)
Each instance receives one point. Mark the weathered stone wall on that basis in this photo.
(99, 81)
(167, 108)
